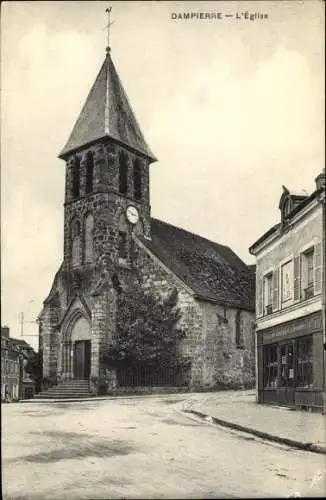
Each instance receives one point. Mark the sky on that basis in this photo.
(232, 108)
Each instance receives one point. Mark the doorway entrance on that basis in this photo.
(82, 359)
(286, 376)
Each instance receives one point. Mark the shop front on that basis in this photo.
(290, 363)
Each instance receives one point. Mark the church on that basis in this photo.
(109, 234)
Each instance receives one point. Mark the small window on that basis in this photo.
(239, 330)
(270, 366)
(89, 172)
(304, 362)
(75, 229)
(287, 281)
(76, 178)
(123, 249)
(137, 181)
(287, 207)
(268, 293)
(76, 243)
(123, 173)
(307, 270)
(89, 227)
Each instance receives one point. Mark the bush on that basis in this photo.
(148, 333)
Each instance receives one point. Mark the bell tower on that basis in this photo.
(107, 176)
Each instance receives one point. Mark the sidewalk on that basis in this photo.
(239, 410)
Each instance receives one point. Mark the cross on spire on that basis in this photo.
(108, 12)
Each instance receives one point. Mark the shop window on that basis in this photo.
(268, 293)
(287, 281)
(286, 376)
(308, 273)
(270, 366)
(304, 362)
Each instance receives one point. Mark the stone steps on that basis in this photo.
(66, 390)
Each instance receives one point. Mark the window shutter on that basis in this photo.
(276, 281)
(296, 278)
(317, 267)
(259, 298)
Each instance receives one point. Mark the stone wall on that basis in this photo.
(210, 329)
(159, 280)
(105, 203)
(226, 364)
(50, 339)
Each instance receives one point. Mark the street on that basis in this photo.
(143, 447)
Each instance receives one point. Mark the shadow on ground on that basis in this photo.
(170, 421)
(76, 445)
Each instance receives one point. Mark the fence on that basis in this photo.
(141, 376)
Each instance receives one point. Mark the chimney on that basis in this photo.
(320, 181)
(5, 332)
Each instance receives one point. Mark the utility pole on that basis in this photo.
(22, 323)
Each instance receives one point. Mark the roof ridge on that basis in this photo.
(215, 244)
(191, 233)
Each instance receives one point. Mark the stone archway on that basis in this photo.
(76, 349)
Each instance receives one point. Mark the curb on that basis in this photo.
(93, 398)
(264, 435)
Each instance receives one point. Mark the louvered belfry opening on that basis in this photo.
(89, 172)
(123, 173)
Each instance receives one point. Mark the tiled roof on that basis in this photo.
(107, 113)
(213, 271)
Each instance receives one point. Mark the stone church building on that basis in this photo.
(109, 233)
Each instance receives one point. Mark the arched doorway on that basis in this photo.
(81, 348)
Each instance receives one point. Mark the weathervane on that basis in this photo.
(108, 12)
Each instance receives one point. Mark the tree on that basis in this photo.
(148, 332)
(34, 367)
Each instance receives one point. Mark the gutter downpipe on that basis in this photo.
(323, 294)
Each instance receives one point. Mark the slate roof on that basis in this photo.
(213, 271)
(20, 343)
(107, 113)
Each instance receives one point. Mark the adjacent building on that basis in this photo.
(16, 383)
(109, 235)
(11, 368)
(290, 302)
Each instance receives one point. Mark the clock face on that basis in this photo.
(132, 214)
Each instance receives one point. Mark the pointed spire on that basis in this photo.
(107, 113)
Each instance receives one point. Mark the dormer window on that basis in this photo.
(287, 207)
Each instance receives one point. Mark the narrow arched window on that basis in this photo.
(137, 180)
(89, 172)
(123, 173)
(238, 330)
(123, 246)
(76, 178)
(89, 227)
(76, 243)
